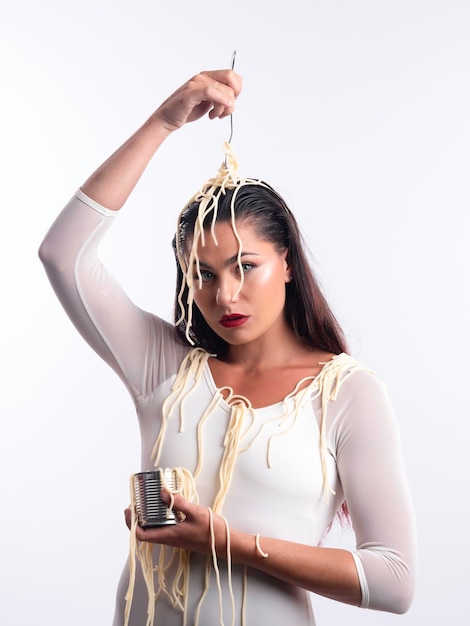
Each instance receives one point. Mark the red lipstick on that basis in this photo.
(232, 321)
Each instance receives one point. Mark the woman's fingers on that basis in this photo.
(226, 84)
(212, 92)
(225, 77)
(192, 532)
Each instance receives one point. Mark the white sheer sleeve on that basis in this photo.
(124, 335)
(364, 437)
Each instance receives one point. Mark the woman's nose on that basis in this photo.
(227, 292)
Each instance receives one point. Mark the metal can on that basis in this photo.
(150, 508)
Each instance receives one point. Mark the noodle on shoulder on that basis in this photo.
(239, 438)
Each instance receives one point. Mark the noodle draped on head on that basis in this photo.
(207, 197)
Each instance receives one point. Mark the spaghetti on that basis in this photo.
(241, 433)
(240, 430)
(207, 198)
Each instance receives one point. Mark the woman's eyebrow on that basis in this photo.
(227, 262)
(233, 259)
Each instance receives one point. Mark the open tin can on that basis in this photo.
(150, 508)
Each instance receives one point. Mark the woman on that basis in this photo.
(251, 390)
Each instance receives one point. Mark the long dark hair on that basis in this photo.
(306, 309)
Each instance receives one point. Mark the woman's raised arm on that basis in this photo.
(211, 92)
(118, 330)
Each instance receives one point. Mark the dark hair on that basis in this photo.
(306, 309)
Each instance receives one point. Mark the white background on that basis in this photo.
(358, 112)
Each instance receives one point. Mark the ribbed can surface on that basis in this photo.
(150, 508)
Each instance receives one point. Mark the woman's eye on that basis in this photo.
(246, 267)
(206, 276)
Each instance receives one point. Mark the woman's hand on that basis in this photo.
(192, 533)
(208, 92)
(330, 572)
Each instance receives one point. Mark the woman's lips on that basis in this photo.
(233, 320)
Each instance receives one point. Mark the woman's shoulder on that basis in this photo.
(342, 367)
(356, 388)
(352, 385)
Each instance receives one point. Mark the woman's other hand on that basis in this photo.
(192, 533)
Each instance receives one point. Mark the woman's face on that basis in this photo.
(256, 311)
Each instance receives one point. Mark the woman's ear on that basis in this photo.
(288, 274)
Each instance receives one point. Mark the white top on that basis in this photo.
(283, 499)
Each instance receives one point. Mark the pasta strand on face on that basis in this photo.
(208, 197)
